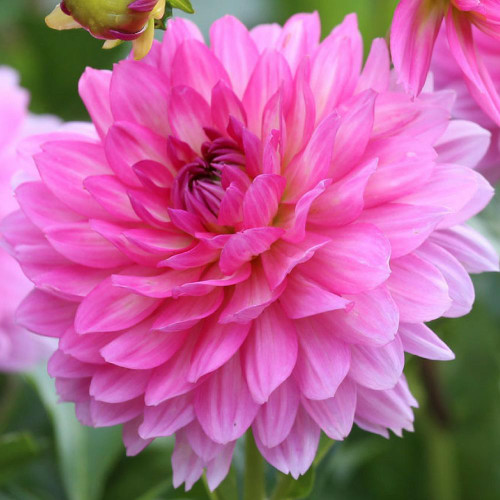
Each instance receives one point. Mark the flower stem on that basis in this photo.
(254, 471)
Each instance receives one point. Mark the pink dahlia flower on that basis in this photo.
(19, 349)
(254, 235)
(448, 75)
(414, 30)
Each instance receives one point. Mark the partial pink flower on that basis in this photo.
(414, 31)
(19, 349)
(253, 236)
(448, 75)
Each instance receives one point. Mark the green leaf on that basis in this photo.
(16, 450)
(302, 487)
(184, 5)
(228, 489)
(85, 455)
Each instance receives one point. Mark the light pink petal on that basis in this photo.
(187, 466)
(377, 367)
(190, 260)
(131, 439)
(376, 73)
(250, 298)
(108, 309)
(420, 340)
(218, 467)
(262, 199)
(471, 248)
(45, 314)
(63, 365)
(414, 30)
(303, 297)
(140, 348)
(372, 319)
(269, 353)
(296, 453)
(356, 260)
(201, 444)
(195, 66)
(167, 418)
(113, 384)
(460, 285)
(406, 226)
(276, 417)
(85, 348)
(223, 404)
(323, 360)
(235, 49)
(93, 88)
(335, 416)
(107, 415)
(216, 345)
(225, 104)
(265, 36)
(419, 289)
(142, 99)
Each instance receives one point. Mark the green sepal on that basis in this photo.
(184, 5)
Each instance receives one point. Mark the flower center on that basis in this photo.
(199, 186)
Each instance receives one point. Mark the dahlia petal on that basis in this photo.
(265, 36)
(296, 453)
(299, 38)
(113, 384)
(270, 74)
(323, 361)
(461, 289)
(140, 348)
(201, 444)
(187, 466)
(231, 207)
(419, 289)
(45, 314)
(178, 30)
(406, 226)
(378, 367)
(245, 245)
(167, 418)
(283, 256)
(250, 298)
(108, 309)
(128, 143)
(216, 345)
(158, 285)
(112, 195)
(131, 439)
(342, 53)
(262, 199)
(371, 319)
(414, 30)
(171, 379)
(42, 207)
(93, 87)
(464, 143)
(186, 221)
(79, 243)
(62, 365)
(196, 67)
(376, 73)
(303, 297)
(159, 241)
(269, 353)
(420, 340)
(223, 404)
(188, 113)
(235, 49)
(343, 201)
(185, 312)
(357, 260)
(224, 104)
(335, 416)
(200, 255)
(152, 208)
(85, 348)
(353, 133)
(276, 417)
(143, 99)
(72, 390)
(218, 467)
(63, 165)
(107, 415)
(154, 175)
(469, 247)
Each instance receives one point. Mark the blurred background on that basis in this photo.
(454, 453)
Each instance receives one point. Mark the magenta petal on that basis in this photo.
(421, 341)
(269, 353)
(223, 404)
(113, 384)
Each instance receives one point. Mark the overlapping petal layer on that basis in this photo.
(254, 234)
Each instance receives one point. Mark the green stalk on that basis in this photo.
(254, 485)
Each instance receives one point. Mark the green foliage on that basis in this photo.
(184, 5)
